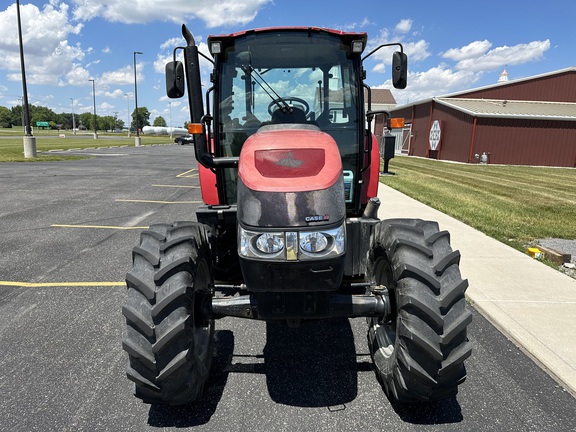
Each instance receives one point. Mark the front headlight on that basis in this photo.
(292, 245)
(313, 242)
(260, 245)
(322, 244)
(270, 243)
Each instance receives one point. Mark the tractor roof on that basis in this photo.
(342, 34)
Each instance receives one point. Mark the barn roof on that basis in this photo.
(519, 109)
(453, 96)
(513, 82)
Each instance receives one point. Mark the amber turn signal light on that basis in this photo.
(194, 128)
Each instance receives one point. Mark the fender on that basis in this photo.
(371, 177)
(208, 185)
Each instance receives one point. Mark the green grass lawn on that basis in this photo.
(12, 146)
(513, 204)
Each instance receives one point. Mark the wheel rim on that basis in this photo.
(386, 332)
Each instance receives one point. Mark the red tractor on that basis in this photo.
(289, 174)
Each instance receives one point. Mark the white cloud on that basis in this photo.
(435, 81)
(105, 106)
(78, 76)
(470, 51)
(49, 56)
(404, 26)
(115, 94)
(171, 43)
(355, 25)
(471, 62)
(505, 55)
(213, 12)
(416, 51)
(122, 76)
(42, 30)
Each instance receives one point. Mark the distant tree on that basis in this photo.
(159, 121)
(5, 117)
(41, 114)
(65, 119)
(143, 118)
(107, 122)
(17, 115)
(13, 117)
(87, 120)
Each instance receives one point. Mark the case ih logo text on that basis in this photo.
(317, 218)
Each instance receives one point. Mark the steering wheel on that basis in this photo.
(280, 101)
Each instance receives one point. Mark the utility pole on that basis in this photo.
(29, 140)
(170, 125)
(94, 97)
(137, 139)
(128, 105)
(21, 100)
(73, 118)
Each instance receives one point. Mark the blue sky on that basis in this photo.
(451, 45)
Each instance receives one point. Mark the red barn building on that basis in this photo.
(530, 121)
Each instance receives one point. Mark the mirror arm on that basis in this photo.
(382, 46)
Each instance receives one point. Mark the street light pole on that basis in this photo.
(73, 118)
(137, 139)
(21, 100)
(29, 140)
(170, 129)
(94, 97)
(128, 105)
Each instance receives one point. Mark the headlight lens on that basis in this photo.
(322, 244)
(313, 242)
(293, 245)
(270, 243)
(260, 245)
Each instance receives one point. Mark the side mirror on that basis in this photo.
(399, 70)
(174, 79)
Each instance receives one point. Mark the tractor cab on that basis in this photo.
(284, 77)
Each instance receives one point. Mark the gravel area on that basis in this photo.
(562, 246)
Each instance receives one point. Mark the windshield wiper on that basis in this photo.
(278, 100)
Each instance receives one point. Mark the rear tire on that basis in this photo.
(419, 353)
(169, 347)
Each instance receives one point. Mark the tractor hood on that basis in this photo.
(290, 175)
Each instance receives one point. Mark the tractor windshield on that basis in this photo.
(287, 77)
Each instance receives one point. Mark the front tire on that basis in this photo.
(419, 353)
(169, 346)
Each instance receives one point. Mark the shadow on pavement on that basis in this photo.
(313, 365)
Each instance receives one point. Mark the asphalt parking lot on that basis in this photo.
(66, 234)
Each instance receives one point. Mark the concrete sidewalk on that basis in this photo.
(531, 303)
